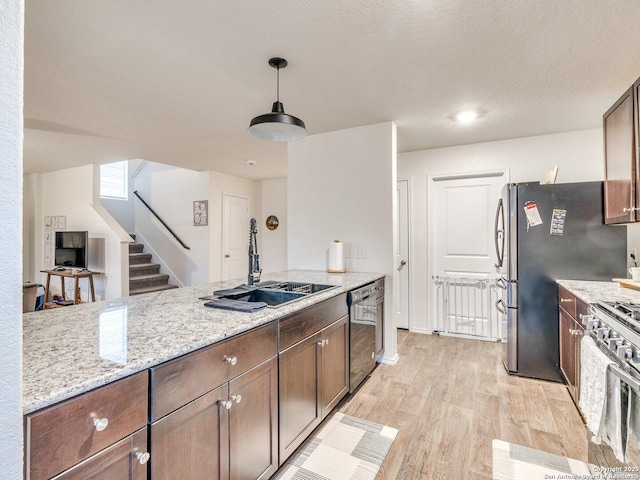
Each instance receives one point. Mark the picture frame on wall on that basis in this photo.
(200, 213)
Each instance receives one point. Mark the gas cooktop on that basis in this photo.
(626, 312)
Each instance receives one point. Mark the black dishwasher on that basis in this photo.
(363, 312)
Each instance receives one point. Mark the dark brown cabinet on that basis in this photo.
(622, 175)
(188, 443)
(126, 459)
(314, 370)
(231, 430)
(570, 332)
(66, 434)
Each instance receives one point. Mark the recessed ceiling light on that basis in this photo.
(251, 163)
(467, 116)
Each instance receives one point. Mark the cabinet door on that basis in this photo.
(193, 441)
(567, 349)
(620, 161)
(334, 364)
(253, 423)
(125, 460)
(299, 407)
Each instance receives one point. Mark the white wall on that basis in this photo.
(578, 155)
(11, 121)
(219, 184)
(342, 185)
(71, 193)
(171, 191)
(123, 211)
(272, 244)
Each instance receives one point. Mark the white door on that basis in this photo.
(461, 223)
(235, 236)
(401, 289)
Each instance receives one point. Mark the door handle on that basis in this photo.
(227, 256)
(403, 263)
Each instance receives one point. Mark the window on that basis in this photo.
(113, 180)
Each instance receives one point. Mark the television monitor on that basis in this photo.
(72, 249)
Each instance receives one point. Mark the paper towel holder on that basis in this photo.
(332, 268)
(272, 222)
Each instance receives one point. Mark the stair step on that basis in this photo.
(157, 288)
(143, 269)
(136, 247)
(143, 281)
(138, 258)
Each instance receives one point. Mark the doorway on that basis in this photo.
(401, 317)
(235, 236)
(461, 210)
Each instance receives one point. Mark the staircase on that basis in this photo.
(144, 276)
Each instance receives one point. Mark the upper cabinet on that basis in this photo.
(621, 192)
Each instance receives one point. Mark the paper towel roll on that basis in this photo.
(336, 257)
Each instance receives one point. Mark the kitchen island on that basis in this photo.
(139, 385)
(68, 351)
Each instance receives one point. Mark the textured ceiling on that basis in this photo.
(178, 82)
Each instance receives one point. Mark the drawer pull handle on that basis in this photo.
(236, 398)
(226, 404)
(630, 209)
(143, 457)
(101, 424)
(230, 360)
(563, 300)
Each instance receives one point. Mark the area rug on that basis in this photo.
(515, 462)
(345, 448)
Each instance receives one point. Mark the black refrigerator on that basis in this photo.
(544, 233)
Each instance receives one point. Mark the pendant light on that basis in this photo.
(277, 126)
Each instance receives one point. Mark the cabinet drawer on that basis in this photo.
(62, 435)
(582, 309)
(567, 301)
(311, 320)
(179, 381)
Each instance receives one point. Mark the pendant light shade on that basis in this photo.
(277, 126)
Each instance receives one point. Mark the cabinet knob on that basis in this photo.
(236, 398)
(230, 360)
(101, 424)
(226, 404)
(143, 457)
(630, 209)
(323, 343)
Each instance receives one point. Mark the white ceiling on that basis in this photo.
(178, 82)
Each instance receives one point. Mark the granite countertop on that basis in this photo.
(70, 350)
(591, 292)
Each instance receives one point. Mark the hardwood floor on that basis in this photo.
(449, 398)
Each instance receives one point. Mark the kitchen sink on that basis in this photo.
(299, 287)
(272, 298)
(275, 294)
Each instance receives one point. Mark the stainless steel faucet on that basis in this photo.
(254, 263)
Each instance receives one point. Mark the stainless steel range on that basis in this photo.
(616, 328)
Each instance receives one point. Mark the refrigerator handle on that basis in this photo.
(499, 234)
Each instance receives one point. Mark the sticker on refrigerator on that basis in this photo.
(533, 215)
(557, 221)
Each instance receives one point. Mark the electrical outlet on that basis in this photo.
(356, 252)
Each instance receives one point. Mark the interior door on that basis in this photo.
(235, 236)
(462, 213)
(401, 287)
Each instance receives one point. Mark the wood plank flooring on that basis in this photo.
(450, 397)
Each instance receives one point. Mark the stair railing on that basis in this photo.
(160, 220)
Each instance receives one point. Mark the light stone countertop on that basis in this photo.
(591, 292)
(70, 350)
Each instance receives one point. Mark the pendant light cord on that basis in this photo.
(278, 84)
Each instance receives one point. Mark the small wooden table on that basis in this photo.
(76, 289)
